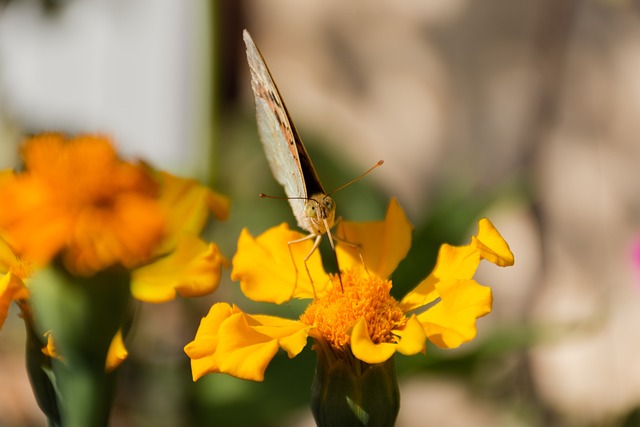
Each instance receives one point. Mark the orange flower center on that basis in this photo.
(362, 295)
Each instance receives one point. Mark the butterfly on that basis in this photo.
(290, 163)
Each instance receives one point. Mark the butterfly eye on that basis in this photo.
(329, 204)
(310, 210)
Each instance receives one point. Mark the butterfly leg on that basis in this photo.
(335, 255)
(313, 249)
(318, 237)
(351, 244)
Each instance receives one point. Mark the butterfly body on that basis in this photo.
(289, 161)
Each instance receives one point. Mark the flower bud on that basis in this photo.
(348, 392)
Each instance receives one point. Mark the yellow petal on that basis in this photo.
(188, 205)
(11, 288)
(412, 339)
(238, 344)
(366, 350)
(383, 244)
(452, 321)
(50, 349)
(117, 352)
(453, 263)
(266, 270)
(242, 351)
(193, 269)
(291, 334)
(248, 343)
(491, 245)
(205, 343)
(7, 257)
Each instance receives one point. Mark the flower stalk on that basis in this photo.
(82, 232)
(85, 314)
(348, 392)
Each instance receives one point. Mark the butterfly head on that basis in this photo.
(319, 211)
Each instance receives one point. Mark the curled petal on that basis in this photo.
(50, 349)
(117, 352)
(188, 206)
(193, 269)
(205, 343)
(238, 344)
(382, 244)
(247, 345)
(452, 321)
(412, 339)
(291, 334)
(265, 266)
(366, 350)
(11, 288)
(491, 245)
(242, 351)
(453, 263)
(461, 263)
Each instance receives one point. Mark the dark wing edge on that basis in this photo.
(258, 67)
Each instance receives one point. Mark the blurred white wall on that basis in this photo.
(137, 70)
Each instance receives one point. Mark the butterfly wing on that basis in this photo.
(288, 159)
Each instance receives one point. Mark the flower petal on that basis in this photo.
(188, 205)
(452, 321)
(117, 352)
(461, 263)
(238, 344)
(11, 288)
(50, 349)
(242, 351)
(266, 270)
(7, 257)
(205, 343)
(366, 350)
(291, 334)
(27, 199)
(454, 262)
(412, 339)
(193, 269)
(491, 245)
(383, 244)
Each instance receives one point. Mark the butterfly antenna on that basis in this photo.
(266, 196)
(358, 178)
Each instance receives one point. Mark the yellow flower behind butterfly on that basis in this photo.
(353, 318)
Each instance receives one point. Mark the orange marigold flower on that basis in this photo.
(77, 199)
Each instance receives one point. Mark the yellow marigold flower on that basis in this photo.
(351, 316)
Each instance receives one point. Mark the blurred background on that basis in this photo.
(525, 112)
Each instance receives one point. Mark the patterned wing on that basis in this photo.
(289, 161)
